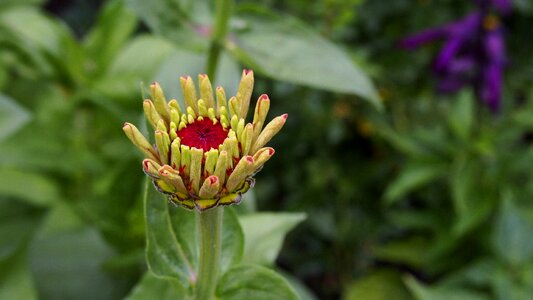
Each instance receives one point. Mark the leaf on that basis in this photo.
(151, 287)
(379, 285)
(68, 265)
(512, 234)
(253, 282)
(12, 117)
(264, 234)
(422, 292)
(28, 186)
(461, 116)
(172, 242)
(15, 280)
(114, 26)
(411, 177)
(184, 26)
(285, 48)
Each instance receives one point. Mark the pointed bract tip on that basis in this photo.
(213, 180)
(271, 151)
(263, 97)
(247, 71)
(218, 88)
(249, 158)
(203, 75)
(126, 124)
(145, 164)
(285, 116)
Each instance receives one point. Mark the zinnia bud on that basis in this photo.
(206, 154)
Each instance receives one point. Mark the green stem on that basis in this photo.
(210, 225)
(220, 30)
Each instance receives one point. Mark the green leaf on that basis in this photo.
(151, 287)
(379, 285)
(12, 117)
(461, 116)
(411, 177)
(15, 279)
(69, 265)
(183, 26)
(113, 27)
(284, 48)
(512, 234)
(264, 234)
(28, 186)
(247, 282)
(6, 3)
(422, 292)
(172, 250)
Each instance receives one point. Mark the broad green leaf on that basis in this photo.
(286, 49)
(69, 265)
(264, 234)
(422, 292)
(172, 239)
(28, 186)
(12, 117)
(512, 234)
(15, 279)
(304, 293)
(114, 26)
(247, 282)
(379, 285)
(151, 287)
(411, 177)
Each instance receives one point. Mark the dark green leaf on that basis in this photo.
(380, 285)
(512, 234)
(12, 117)
(253, 282)
(461, 116)
(15, 279)
(422, 292)
(264, 234)
(284, 48)
(151, 287)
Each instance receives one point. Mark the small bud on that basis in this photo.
(246, 140)
(224, 121)
(160, 102)
(222, 166)
(212, 115)
(150, 168)
(161, 125)
(262, 156)
(185, 160)
(211, 157)
(162, 141)
(189, 91)
(240, 129)
(206, 90)
(244, 92)
(195, 172)
(175, 115)
(221, 100)
(173, 131)
(234, 122)
(173, 104)
(270, 130)
(210, 187)
(233, 106)
(240, 172)
(172, 176)
(260, 114)
(231, 145)
(138, 139)
(202, 108)
(175, 153)
(191, 112)
(150, 112)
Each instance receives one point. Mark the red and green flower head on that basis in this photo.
(206, 154)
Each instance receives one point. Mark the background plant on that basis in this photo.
(427, 198)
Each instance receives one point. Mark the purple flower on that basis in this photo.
(473, 52)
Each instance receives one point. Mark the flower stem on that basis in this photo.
(220, 30)
(210, 225)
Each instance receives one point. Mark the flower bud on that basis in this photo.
(160, 101)
(189, 91)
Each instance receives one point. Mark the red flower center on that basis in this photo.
(203, 134)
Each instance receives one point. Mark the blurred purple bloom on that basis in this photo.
(473, 52)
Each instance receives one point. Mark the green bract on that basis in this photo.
(205, 155)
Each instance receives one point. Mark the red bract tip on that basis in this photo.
(213, 180)
(285, 116)
(271, 151)
(263, 97)
(219, 88)
(249, 158)
(247, 71)
(126, 124)
(203, 75)
(145, 164)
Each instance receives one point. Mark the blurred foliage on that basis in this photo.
(428, 198)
